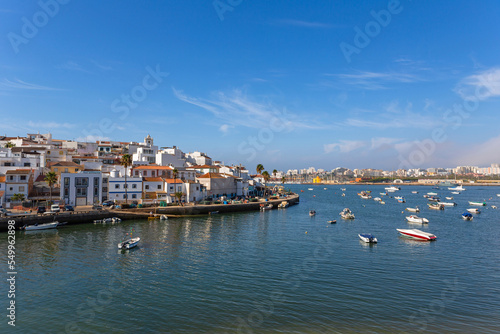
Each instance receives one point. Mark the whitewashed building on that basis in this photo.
(19, 181)
(82, 188)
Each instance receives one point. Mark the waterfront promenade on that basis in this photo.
(142, 213)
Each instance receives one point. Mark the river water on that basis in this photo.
(278, 271)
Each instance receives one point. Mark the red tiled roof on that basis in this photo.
(152, 167)
(19, 171)
(177, 181)
(152, 179)
(211, 176)
(2, 178)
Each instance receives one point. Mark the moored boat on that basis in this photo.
(477, 203)
(467, 216)
(401, 200)
(368, 238)
(347, 214)
(473, 210)
(377, 199)
(312, 213)
(417, 234)
(432, 194)
(283, 205)
(414, 192)
(448, 203)
(36, 227)
(413, 209)
(163, 217)
(332, 221)
(435, 206)
(458, 188)
(416, 219)
(455, 192)
(266, 207)
(392, 189)
(449, 198)
(129, 243)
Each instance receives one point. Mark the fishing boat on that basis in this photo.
(310, 189)
(332, 221)
(477, 203)
(392, 189)
(448, 203)
(377, 199)
(467, 216)
(283, 205)
(498, 195)
(368, 238)
(401, 200)
(417, 234)
(343, 195)
(457, 188)
(414, 192)
(382, 202)
(312, 213)
(416, 219)
(324, 188)
(44, 226)
(473, 210)
(366, 196)
(433, 199)
(129, 243)
(343, 189)
(413, 209)
(266, 207)
(347, 214)
(116, 220)
(435, 206)
(383, 194)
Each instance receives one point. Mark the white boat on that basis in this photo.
(392, 189)
(343, 189)
(366, 196)
(415, 219)
(401, 200)
(343, 195)
(382, 202)
(116, 220)
(494, 207)
(457, 188)
(477, 203)
(377, 199)
(467, 216)
(129, 243)
(283, 205)
(455, 192)
(368, 238)
(448, 203)
(163, 217)
(432, 194)
(324, 188)
(310, 189)
(312, 213)
(267, 207)
(436, 206)
(347, 214)
(498, 195)
(36, 227)
(332, 221)
(417, 234)
(449, 198)
(413, 209)
(473, 210)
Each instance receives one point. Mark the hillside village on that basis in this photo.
(91, 173)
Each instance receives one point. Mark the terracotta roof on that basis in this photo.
(40, 178)
(1, 193)
(211, 176)
(152, 179)
(205, 166)
(19, 171)
(64, 164)
(2, 178)
(177, 181)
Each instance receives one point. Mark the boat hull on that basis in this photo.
(41, 226)
(130, 243)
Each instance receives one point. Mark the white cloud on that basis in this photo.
(481, 86)
(344, 146)
(51, 125)
(224, 128)
(376, 80)
(7, 84)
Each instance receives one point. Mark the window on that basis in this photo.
(125, 186)
(171, 188)
(23, 177)
(124, 196)
(153, 173)
(146, 186)
(136, 173)
(82, 181)
(134, 186)
(66, 192)
(66, 181)
(11, 178)
(117, 186)
(65, 170)
(21, 188)
(159, 186)
(76, 169)
(81, 192)
(11, 188)
(27, 164)
(134, 195)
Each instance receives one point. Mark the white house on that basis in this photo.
(119, 190)
(2, 190)
(199, 158)
(171, 157)
(19, 181)
(82, 188)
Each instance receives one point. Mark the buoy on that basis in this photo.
(306, 232)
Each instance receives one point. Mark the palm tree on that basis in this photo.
(259, 168)
(178, 195)
(274, 173)
(10, 145)
(175, 172)
(126, 161)
(283, 180)
(51, 179)
(266, 177)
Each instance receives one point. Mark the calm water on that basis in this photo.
(262, 273)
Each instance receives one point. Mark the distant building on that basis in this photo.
(64, 167)
(82, 188)
(2, 190)
(19, 181)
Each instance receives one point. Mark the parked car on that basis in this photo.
(68, 208)
(97, 207)
(41, 210)
(107, 203)
(55, 208)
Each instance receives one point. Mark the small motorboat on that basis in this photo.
(449, 198)
(467, 216)
(347, 214)
(413, 209)
(368, 238)
(310, 189)
(377, 199)
(312, 213)
(283, 205)
(448, 203)
(36, 227)
(426, 196)
(332, 221)
(455, 192)
(382, 202)
(129, 243)
(433, 199)
(458, 188)
(417, 234)
(392, 189)
(477, 203)
(473, 210)
(343, 195)
(266, 207)
(436, 206)
(498, 195)
(116, 220)
(163, 217)
(383, 194)
(494, 207)
(324, 188)
(401, 200)
(343, 189)
(415, 219)
(414, 192)
(432, 194)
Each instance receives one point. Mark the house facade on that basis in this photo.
(82, 188)
(19, 181)
(2, 190)
(119, 190)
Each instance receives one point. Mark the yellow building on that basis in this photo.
(317, 180)
(64, 167)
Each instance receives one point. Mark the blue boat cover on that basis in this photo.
(366, 235)
(467, 214)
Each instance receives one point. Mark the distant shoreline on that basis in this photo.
(396, 184)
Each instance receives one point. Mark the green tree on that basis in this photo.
(51, 179)
(10, 145)
(126, 161)
(283, 180)
(259, 168)
(17, 197)
(266, 176)
(178, 195)
(274, 173)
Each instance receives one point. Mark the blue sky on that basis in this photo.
(289, 84)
